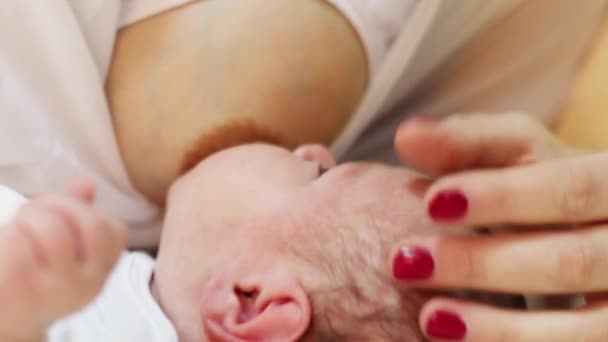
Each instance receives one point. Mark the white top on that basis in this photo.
(54, 56)
(54, 119)
(125, 311)
(10, 202)
(473, 56)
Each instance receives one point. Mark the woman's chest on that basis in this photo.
(584, 121)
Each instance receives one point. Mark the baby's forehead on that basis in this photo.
(382, 202)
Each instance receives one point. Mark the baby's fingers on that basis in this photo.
(98, 240)
(445, 319)
(82, 189)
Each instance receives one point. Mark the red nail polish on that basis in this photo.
(449, 206)
(446, 325)
(413, 263)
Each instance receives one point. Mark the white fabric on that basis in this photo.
(10, 202)
(389, 60)
(378, 24)
(473, 56)
(125, 311)
(55, 123)
(433, 31)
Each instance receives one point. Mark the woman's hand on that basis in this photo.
(520, 175)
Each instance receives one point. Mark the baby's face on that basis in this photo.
(253, 231)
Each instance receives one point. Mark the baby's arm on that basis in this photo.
(56, 254)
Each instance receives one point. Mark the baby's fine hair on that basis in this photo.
(362, 302)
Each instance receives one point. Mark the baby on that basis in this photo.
(259, 244)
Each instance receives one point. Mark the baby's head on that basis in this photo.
(260, 245)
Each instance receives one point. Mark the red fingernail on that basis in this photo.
(413, 263)
(449, 206)
(446, 325)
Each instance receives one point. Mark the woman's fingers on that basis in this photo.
(474, 141)
(570, 190)
(533, 263)
(444, 319)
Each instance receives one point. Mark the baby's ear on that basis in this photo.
(270, 307)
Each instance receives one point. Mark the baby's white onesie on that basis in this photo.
(125, 311)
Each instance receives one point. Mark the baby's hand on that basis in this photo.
(54, 258)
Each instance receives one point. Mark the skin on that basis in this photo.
(272, 39)
(61, 249)
(276, 199)
(307, 40)
(581, 123)
(152, 155)
(564, 186)
(304, 60)
(512, 170)
(534, 146)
